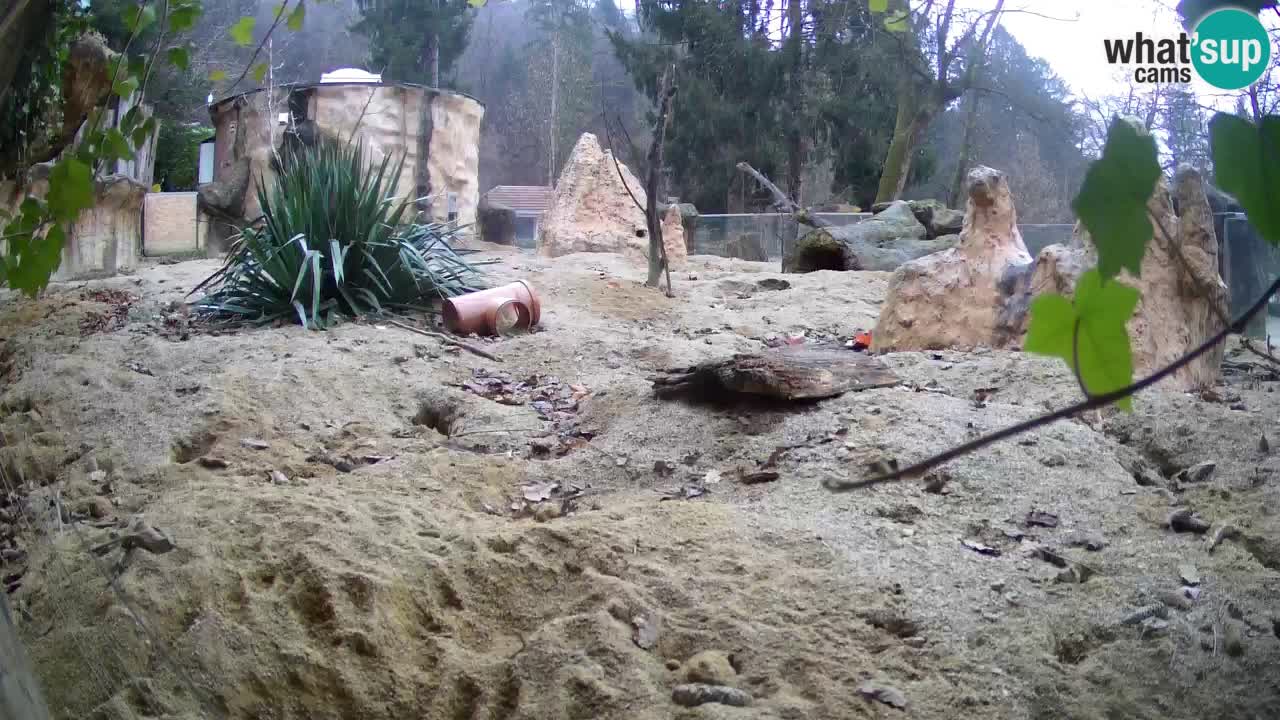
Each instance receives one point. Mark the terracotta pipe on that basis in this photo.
(502, 310)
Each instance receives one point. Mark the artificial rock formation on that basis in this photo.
(1178, 285)
(883, 242)
(105, 239)
(965, 296)
(592, 210)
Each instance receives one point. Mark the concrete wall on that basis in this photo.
(170, 225)
(106, 239)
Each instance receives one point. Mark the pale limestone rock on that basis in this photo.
(961, 297)
(592, 210)
(1175, 311)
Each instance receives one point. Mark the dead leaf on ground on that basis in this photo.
(980, 548)
(1042, 518)
(758, 476)
(687, 491)
(887, 694)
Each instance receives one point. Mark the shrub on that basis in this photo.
(334, 242)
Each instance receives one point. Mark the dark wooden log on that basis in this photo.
(802, 372)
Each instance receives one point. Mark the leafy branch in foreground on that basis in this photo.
(1089, 331)
(334, 242)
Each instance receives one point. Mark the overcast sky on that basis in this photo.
(1073, 44)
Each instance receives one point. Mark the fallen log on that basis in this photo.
(804, 372)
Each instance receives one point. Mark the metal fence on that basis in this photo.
(1248, 265)
(776, 233)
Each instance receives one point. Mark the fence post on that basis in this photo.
(20, 697)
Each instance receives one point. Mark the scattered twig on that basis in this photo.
(445, 339)
(1097, 401)
(494, 431)
(256, 51)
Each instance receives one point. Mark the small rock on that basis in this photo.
(644, 632)
(548, 511)
(1185, 520)
(97, 477)
(1042, 519)
(886, 694)
(663, 468)
(1137, 616)
(1154, 625)
(344, 466)
(696, 694)
(213, 463)
(710, 667)
(1146, 478)
(1197, 473)
(1191, 593)
(673, 665)
(998, 586)
(277, 478)
(1233, 639)
(1175, 600)
(1223, 532)
(1264, 447)
(1189, 575)
(908, 532)
(255, 444)
(1091, 543)
(97, 508)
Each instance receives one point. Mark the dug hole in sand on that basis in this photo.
(370, 525)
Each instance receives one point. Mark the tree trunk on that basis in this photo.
(913, 117)
(23, 24)
(795, 143)
(555, 92)
(658, 250)
(956, 197)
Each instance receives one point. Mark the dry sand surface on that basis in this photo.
(382, 571)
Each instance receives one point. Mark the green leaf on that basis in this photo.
(1053, 319)
(1246, 163)
(115, 146)
(259, 72)
(879, 6)
(179, 57)
(137, 66)
(217, 76)
(125, 87)
(1092, 329)
(70, 189)
(897, 23)
(297, 16)
(130, 120)
(1112, 202)
(184, 18)
(480, 3)
(138, 17)
(143, 132)
(242, 31)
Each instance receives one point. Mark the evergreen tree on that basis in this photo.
(415, 40)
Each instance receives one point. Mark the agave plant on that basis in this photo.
(335, 241)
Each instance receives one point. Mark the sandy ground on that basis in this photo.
(408, 586)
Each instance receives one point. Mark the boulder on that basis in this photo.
(969, 295)
(937, 218)
(1174, 313)
(497, 223)
(594, 209)
(883, 242)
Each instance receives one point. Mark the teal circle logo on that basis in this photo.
(1231, 49)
